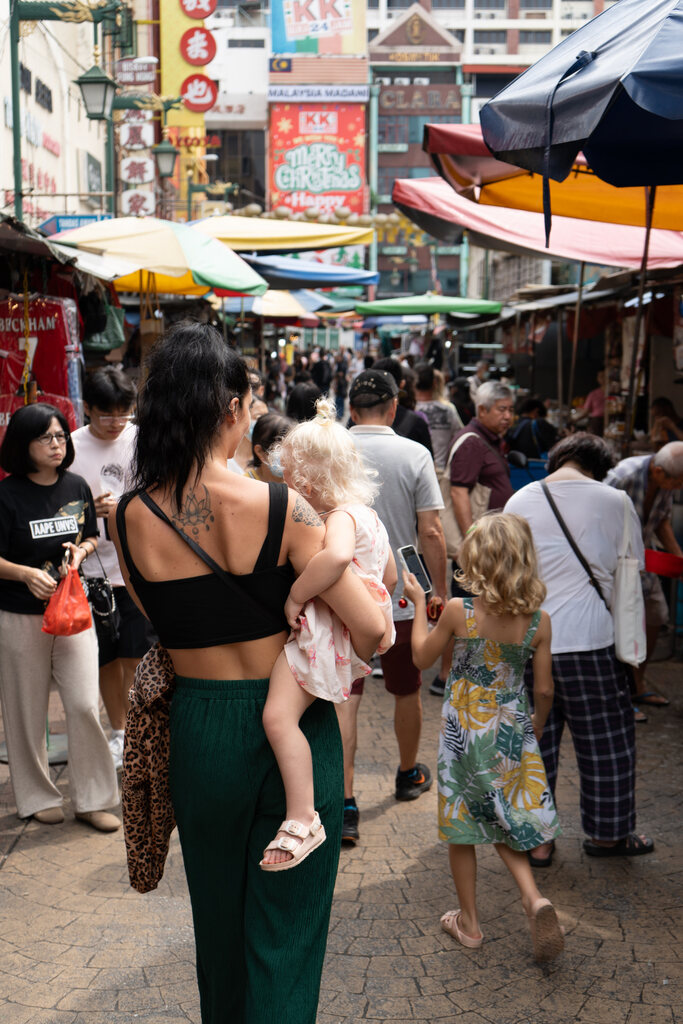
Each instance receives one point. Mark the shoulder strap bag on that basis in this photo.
(479, 501)
(628, 605)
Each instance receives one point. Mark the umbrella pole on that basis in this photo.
(560, 376)
(630, 416)
(575, 338)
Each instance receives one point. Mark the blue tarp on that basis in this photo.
(285, 272)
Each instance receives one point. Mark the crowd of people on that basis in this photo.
(252, 525)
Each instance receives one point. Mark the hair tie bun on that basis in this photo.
(325, 412)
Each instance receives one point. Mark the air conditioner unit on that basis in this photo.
(401, 81)
(420, 81)
(383, 81)
(477, 14)
(477, 50)
(493, 50)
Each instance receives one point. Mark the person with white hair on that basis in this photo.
(477, 456)
(649, 481)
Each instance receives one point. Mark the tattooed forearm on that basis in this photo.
(303, 513)
(195, 512)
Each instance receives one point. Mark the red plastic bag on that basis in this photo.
(68, 611)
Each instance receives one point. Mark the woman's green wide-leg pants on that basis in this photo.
(260, 936)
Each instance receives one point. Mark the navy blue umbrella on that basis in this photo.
(613, 88)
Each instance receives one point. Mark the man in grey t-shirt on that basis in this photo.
(409, 493)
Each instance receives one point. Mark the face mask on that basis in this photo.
(275, 467)
(250, 430)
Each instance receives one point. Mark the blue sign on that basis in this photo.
(280, 63)
(67, 221)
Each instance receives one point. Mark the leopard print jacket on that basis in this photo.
(148, 818)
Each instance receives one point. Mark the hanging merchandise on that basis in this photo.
(112, 336)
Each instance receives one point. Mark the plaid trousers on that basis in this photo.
(592, 697)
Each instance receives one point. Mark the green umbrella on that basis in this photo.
(427, 304)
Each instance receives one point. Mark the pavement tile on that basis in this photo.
(602, 1011)
(641, 1014)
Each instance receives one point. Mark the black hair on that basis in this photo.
(391, 366)
(407, 396)
(268, 429)
(256, 378)
(666, 405)
(532, 405)
(108, 388)
(588, 450)
(192, 378)
(301, 401)
(26, 424)
(425, 376)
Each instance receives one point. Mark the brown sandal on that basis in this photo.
(546, 931)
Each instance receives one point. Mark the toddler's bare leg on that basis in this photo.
(285, 704)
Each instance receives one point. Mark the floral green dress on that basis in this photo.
(492, 783)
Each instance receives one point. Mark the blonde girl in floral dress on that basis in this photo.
(320, 461)
(492, 783)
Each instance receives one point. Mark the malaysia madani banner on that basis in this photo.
(318, 26)
(317, 156)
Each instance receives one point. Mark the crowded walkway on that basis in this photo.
(78, 946)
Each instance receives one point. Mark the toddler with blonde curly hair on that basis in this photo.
(492, 782)
(320, 461)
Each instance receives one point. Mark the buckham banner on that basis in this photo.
(317, 157)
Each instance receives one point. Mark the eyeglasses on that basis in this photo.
(109, 421)
(47, 439)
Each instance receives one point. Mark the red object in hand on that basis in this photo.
(434, 608)
(663, 563)
(402, 603)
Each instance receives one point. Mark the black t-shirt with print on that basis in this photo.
(34, 523)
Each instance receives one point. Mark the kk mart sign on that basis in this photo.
(317, 156)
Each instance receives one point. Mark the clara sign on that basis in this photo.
(317, 157)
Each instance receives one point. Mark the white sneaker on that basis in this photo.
(116, 747)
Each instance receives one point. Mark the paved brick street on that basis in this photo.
(78, 946)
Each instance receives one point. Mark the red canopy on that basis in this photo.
(438, 209)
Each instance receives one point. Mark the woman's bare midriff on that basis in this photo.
(253, 659)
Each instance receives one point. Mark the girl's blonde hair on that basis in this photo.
(498, 563)
(320, 454)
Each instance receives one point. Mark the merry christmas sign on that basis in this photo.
(317, 156)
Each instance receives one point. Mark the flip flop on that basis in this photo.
(542, 862)
(638, 715)
(449, 923)
(631, 845)
(655, 700)
(546, 931)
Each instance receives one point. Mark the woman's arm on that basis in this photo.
(326, 567)
(543, 676)
(428, 645)
(39, 582)
(390, 578)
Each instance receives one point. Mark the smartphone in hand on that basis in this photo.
(412, 563)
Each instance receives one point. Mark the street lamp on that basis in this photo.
(165, 154)
(97, 92)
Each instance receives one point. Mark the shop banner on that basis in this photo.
(317, 157)
(318, 26)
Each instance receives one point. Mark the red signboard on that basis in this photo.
(199, 93)
(317, 156)
(198, 46)
(198, 8)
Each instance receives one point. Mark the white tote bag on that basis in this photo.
(628, 605)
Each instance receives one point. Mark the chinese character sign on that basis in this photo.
(198, 8)
(136, 170)
(199, 93)
(198, 46)
(317, 156)
(318, 26)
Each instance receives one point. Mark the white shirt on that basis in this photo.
(106, 466)
(594, 514)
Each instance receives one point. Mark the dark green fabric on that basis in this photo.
(260, 935)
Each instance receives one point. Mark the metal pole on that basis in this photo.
(560, 368)
(575, 338)
(16, 109)
(372, 166)
(630, 416)
(466, 90)
(110, 167)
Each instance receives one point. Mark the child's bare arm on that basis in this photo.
(543, 676)
(326, 567)
(390, 578)
(428, 645)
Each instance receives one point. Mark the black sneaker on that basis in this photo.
(409, 785)
(350, 826)
(438, 686)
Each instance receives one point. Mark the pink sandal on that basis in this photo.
(449, 923)
(311, 836)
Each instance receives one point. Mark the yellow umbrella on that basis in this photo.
(254, 234)
(165, 256)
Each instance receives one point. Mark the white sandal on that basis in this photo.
(311, 836)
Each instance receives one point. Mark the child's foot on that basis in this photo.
(450, 922)
(292, 844)
(546, 931)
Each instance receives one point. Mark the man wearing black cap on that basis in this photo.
(409, 492)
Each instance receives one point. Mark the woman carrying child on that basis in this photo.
(321, 461)
(492, 783)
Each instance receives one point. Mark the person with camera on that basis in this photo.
(103, 453)
(47, 522)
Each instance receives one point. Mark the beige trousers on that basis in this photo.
(30, 661)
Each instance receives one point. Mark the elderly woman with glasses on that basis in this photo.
(47, 518)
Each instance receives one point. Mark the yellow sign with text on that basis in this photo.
(175, 69)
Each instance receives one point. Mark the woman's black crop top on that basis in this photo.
(221, 607)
